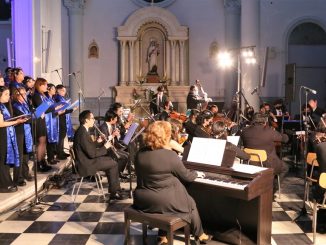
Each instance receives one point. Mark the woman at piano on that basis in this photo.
(160, 174)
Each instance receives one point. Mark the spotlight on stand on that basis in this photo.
(224, 60)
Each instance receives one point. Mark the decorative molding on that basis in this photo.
(161, 3)
(232, 5)
(75, 6)
(149, 15)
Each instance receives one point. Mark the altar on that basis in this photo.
(126, 96)
(154, 50)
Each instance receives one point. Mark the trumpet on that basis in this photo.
(113, 149)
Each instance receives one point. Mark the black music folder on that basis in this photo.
(293, 125)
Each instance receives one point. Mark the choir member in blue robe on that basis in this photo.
(9, 155)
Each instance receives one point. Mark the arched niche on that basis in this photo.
(144, 25)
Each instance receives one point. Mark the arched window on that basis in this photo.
(308, 34)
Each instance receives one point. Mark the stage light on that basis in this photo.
(224, 59)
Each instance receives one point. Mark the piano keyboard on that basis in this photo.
(233, 184)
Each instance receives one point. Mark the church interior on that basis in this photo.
(132, 64)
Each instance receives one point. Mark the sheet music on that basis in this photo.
(233, 139)
(207, 151)
(246, 168)
(75, 104)
(130, 133)
(20, 116)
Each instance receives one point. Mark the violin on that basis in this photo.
(179, 116)
(221, 118)
(320, 138)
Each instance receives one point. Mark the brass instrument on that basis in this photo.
(113, 149)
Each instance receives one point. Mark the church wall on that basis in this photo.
(101, 18)
(205, 20)
(278, 18)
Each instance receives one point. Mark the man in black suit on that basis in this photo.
(158, 100)
(316, 112)
(194, 101)
(90, 158)
(261, 136)
(112, 133)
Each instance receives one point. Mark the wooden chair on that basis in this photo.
(312, 161)
(261, 156)
(317, 206)
(164, 222)
(96, 176)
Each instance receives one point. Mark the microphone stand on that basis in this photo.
(239, 112)
(80, 92)
(32, 206)
(303, 211)
(99, 107)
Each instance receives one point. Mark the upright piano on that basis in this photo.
(234, 203)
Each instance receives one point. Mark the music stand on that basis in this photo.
(126, 141)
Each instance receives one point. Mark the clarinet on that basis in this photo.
(113, 149)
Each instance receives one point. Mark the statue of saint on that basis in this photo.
(152, 52)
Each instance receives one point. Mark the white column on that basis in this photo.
(122, 62)
(75, 11)
(131, 61)
(250, 36)
(181, 62)
(173, 62)
(167, 71)
(232, 42)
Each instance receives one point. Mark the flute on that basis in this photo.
(114, 150)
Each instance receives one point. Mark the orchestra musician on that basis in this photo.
(265, 108)
(176, 127)
(165, 114)
(220, 131)
(112, 133)
(204, 121)
(261, 136)
(123, 124)
(318, 192)
(194, 100)
(158, 100)
(190, 125)
(316, 111)
(160, 186)
(91, 158)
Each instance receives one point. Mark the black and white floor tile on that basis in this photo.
(91, 220)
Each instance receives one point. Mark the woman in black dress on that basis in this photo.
(24, 136)
(160, 174)
(9, 154)
(38, 98)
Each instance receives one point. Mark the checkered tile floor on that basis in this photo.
(91, 220)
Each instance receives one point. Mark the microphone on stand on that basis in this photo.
(73, 73)
(254, 91)
(310, 90)
(56, 70)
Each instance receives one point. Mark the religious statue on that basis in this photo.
(152, 52)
